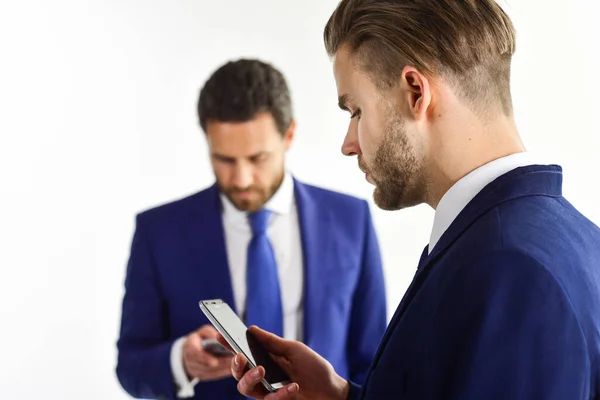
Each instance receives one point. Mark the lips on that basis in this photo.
(363, 169)
(243, 195)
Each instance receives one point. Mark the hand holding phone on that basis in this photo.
(199, 362)
(313, 377)
(241, 341)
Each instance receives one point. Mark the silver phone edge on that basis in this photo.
(280, 385)
(270, 387)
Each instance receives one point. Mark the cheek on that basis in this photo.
(367, 137)
(222, 172)
(268, 171)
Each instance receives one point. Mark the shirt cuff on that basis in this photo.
(185, 387)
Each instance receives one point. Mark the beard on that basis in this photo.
(258, 196)
(396, 169)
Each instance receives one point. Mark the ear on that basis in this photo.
(288, 137)
(417, 92)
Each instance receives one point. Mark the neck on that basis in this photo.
(466, 145)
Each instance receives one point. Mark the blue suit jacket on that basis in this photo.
(507, 306)
(178, 257)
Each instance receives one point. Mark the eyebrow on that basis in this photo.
(251, 156)
(342, 102)
(222, 157)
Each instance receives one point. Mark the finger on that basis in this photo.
(207, 332)
(238, 366)
(250, 385)
(205, 375)
(272, 343)
(194, 341)
(289, 392)
(223, 342)
(209, 375)
(192, 348)
(207, 359)
(223, 365)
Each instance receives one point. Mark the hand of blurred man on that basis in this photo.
(199, 363)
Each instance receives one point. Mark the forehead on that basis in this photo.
(239, 139)
(343, 70)
(352, 82)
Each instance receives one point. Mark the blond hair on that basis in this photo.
(469, 43)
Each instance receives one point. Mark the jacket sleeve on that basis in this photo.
(506, 329)
(369, 313)
(354, 392)
(143, 365)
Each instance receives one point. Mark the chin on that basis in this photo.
(381, 201)
(389, 201)
(242, 205)
(248, 206)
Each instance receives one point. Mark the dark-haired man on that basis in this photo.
(296, 259)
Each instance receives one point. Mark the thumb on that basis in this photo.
(271, 342)
(207, 332)
(195, 342)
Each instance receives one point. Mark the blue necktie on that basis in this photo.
(263, 301)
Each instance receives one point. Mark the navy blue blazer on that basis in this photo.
(507, 306)
(178, 257)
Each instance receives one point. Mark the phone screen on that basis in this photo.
(237, 331)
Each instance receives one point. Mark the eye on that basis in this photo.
(223, 159)
(355, 114)
(259, 158)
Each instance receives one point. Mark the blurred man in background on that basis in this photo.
(296, 259)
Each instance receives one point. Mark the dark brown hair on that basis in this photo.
(469, 43)
(239, 90)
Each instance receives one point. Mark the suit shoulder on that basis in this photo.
(511, 268)
(495, 272)
(551, 230)
(173, 209)
(500, 255)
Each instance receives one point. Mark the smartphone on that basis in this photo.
(215, 348)
(226, 321)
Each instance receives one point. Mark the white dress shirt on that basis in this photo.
(284, 233)
(463, 191)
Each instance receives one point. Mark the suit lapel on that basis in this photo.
(206, 238)
(410, 293)
(315, 225)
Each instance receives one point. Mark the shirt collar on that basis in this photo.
(463, 191)
(280, 203)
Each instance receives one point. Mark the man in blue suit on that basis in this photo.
(314, 252)
(505, 302)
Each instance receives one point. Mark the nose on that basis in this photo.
(242, 176)
(350, 147)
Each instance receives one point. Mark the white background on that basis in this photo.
(97, 122)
